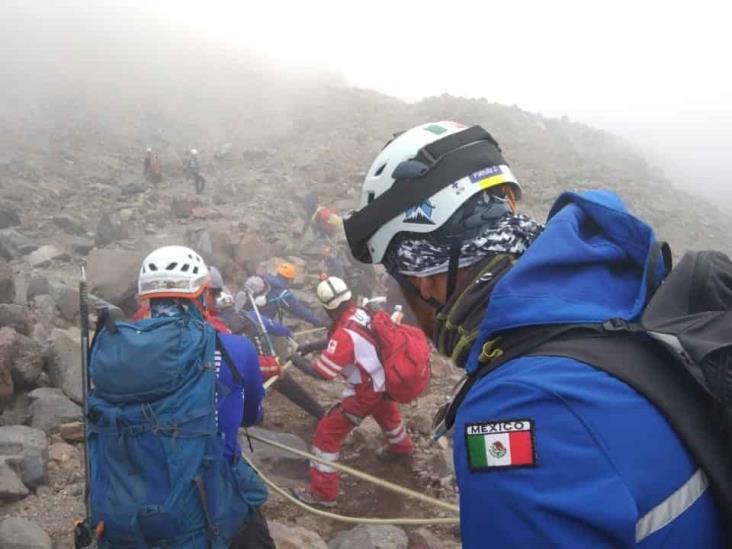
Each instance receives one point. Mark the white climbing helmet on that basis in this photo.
(194, 152)
(332, 292)
(438, 167)
(173, 271)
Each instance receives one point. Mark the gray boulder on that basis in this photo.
(44, 309)
(109, 230)
(38, 285)
(81, 245)
(8, 218)
(63, 360)
(294, 537)
(50, 408)
(11, 487)
(8, 348)
(45, 255)
(69, 224)
(14, 244)
(26, 450)
(17, 412)
(371, 536)
(67, 303)
(19, 533)
(28, 362)
(7, 283)
(16, 317)
(112, 275)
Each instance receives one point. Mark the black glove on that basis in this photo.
(317, 345)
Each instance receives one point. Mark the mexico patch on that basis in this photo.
(502, 444)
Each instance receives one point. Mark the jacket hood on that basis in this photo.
(588, 266)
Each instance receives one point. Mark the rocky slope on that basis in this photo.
(72, 194)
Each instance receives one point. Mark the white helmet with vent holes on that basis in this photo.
(398, 160)
(173, 271)
(332, 292)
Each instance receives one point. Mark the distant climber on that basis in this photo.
(324, 221)
(152, 169)
(192, 169)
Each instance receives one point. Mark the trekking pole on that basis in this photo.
(262, 326)
(83, 533)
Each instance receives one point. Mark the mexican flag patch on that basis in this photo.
(500, 444)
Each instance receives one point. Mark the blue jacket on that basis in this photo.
(238, 405)
(273, 328)
(550, 452)
(280, 299)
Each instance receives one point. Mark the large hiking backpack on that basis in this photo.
(679, 356)
(405, 355)
(158, 473)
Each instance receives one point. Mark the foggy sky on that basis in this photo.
(656, 72)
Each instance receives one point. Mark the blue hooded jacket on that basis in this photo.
(550, 452)
(238, 405)
(280, 299)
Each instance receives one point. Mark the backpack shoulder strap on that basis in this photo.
(653, 372)
(226, 358)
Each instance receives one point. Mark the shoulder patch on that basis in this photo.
(500, 444)
(332, 346)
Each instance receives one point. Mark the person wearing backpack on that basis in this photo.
(549, 450)
(169, 394)
(275, 299)
(352, 353)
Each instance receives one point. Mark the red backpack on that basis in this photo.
(405, 355)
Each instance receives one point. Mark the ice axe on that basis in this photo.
(84, 534)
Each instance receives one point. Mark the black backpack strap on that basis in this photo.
(518, 343)
(226, 359)
(654, 373)
(660, 251)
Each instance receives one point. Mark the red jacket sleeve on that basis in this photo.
(336, 356)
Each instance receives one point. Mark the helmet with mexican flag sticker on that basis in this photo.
(419, 180)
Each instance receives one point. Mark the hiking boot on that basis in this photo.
(307, 496)
(386, 455)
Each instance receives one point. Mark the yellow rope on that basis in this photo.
(363, 476)
(358, 474)
(344, 518)
(308, 332)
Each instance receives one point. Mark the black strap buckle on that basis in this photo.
(616, 325)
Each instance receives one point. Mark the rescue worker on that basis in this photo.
(276, 299)
(576, 457)
(184, 291)
(156, 169)
(192, 168)
(256, 533)
(224, 316)
(324, 221)
(351, 353)
(147, 164)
